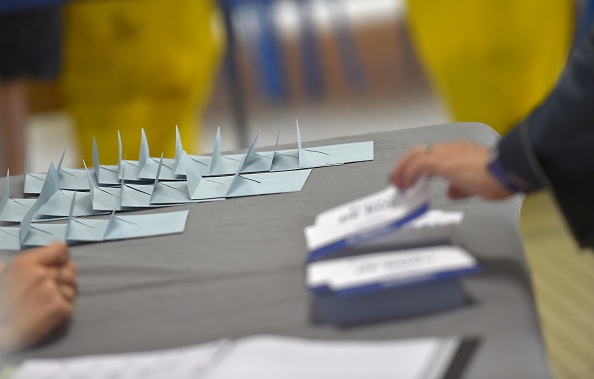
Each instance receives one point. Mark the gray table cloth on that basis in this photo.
(238, 270)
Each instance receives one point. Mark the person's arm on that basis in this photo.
(553, 148)
(462, 164)
(37, 293)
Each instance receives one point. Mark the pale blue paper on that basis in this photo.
(73, 179)
(88, 230)
(269, 183)
(144, 170)
(70, 179)
(137, 196)
(129, 169)
(136, 226)
(148, 170)
(168, 192)
(116, 228)
(216, 162)
(178, 167)
(167, 172)
(103, 198)
(28, 218)
(42, 234)
(323, 156)
(198, 188)
(285, 160)
(56, 202)
(204, 188)
(220, 165)
(9, 238)
(299, 148)
(244, 184)
(106, 198)
(13, 210)
(154, 195)
(174, 192)
(107, 175)
(32, 183)
(144, 151)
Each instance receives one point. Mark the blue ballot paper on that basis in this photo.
(13, 210)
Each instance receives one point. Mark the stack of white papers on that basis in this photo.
(263, 357)
(379, 271)
(376, 215)
(366, 218)
(385, 256)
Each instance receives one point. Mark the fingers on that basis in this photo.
(62, 270)
(68, 274)
(397, 177)
(55, 254)
(58, 308)
(414, 164)
(55, 314)
(423, 165)
(456, 193)
(462, 164)
(68, 292)
(37, 295)
(67, 278)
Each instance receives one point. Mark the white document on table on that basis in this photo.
(263, 357)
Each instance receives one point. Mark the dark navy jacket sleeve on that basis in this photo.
(554, 146)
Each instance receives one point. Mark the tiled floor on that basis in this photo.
(563, 279)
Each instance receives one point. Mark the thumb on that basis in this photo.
(55, 254)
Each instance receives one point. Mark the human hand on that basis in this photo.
(462, 164)
(37, 292)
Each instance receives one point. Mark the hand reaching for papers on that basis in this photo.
(37, 293)
(462, 164)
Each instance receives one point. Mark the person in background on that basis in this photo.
(492, 60)
(552, 148)
(37, 293)
(131, 64)
(30, 48)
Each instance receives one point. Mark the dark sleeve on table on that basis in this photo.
(554, 146)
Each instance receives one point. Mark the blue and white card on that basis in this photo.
(366, 218)
(372, 272)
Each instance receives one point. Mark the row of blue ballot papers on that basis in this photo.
(270, 357)
(385, 256)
